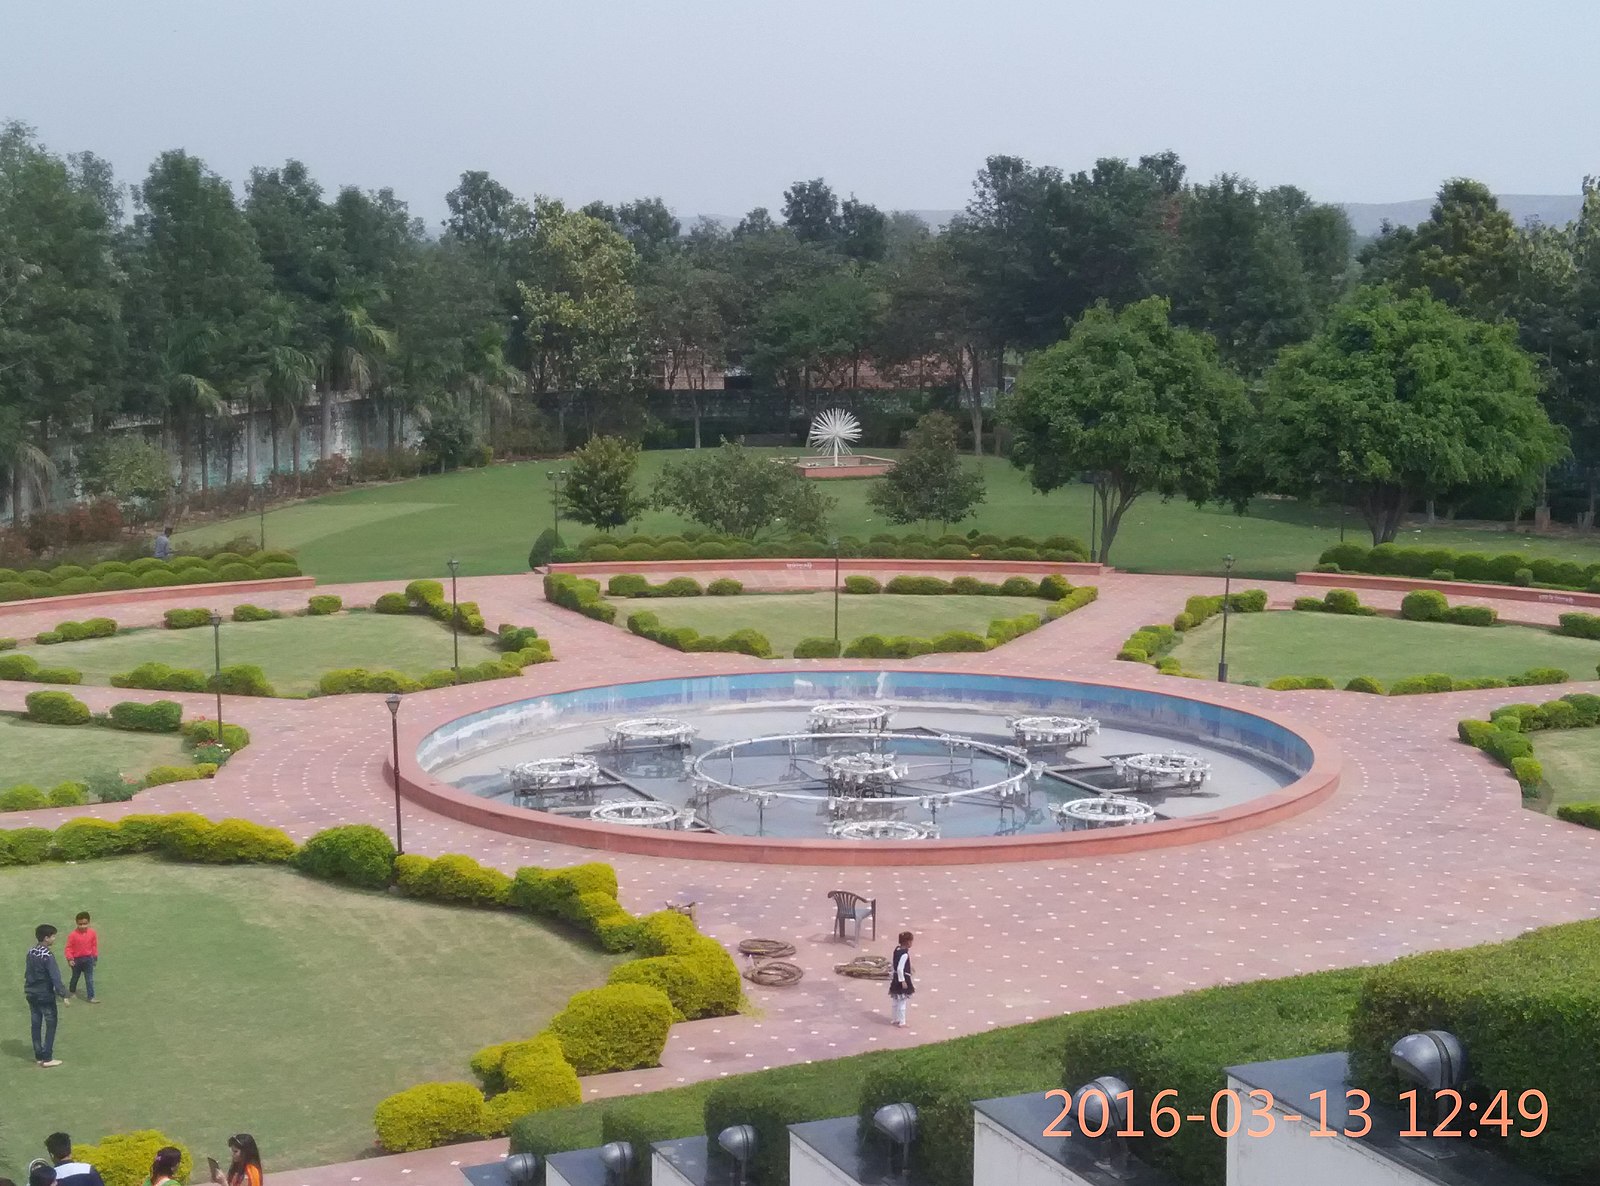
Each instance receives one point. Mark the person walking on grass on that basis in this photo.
(244, 1163)
(68, 1171)
(83, 953)
(163, 548)
(41, 985)
(164, 1168)
(900, 984)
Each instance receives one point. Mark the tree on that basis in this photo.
(127, 468)
(818, 331)
(928, 483)
(863, 231)
(1465, 254)
(680, 304)
(811, 211)
(1401, 398)
(581, 310)
(645, 223)
(735, 492)
(1142, 405)
(600, 488)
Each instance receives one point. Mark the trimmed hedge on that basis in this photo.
(430, 1114)
(1149, 644)
(580, 594)
(862, 585)
(1579, 625)
(254, 613)
(632, 584)
(1509, 568)
(1586, 813)
(451, 878)
(186, 619)
(241, 679)
(616, 1028)
(391, 603)
(817, 648)
(158, 716)
(26, 668)
(355, 854)
(1504, 735)
(1336, 601)
(78, 631)
(725, 587)
(694, 545)
(1298, 683)
(145, 573)
(56, 708)
(324, 603)
(1522, 1009)
(686, 638)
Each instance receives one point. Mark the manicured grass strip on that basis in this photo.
(1571, 761)
(45, 755)
(786, 618)
(1179, 1042)
(292, 652)
(267, 1002)
(488, 518)
(1264, 646)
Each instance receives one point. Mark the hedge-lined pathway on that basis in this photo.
(1424, 846)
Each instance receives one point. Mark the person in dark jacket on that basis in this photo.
(70, 1172)
(900, 985)
(42, 986)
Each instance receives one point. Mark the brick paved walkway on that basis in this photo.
(1424, 846)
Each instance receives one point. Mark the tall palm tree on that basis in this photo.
(353, 349)
(285, 380)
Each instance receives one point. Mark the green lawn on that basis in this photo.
(488, 519)
(292, 651)
(1264, 646)
(253, 999)
(786, 618)
(1571, 760)
(45, 755)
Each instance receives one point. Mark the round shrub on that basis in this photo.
(428, 1115)
(124, 1159)
(194, 576)
(958, 640)
(392, 603)
(1363, 683)
(1441, 574)
(862, 584)
(817, 648)
(616, 1028)
(157, 578)
(452, 878)
(189, 564)
(106, 568)
(72, 585)
(57, 708)
(57, 675)
(18, 667)
(868, 646)
(254, 613)
(1523, 576)
(628, 584)
(1054, 587)
(24, 846)
(603, 552)
(272, 556)
(38, 578)
(15, 591)
(1020, 587)
(1472, 615)
(86, 838)
(324, 603)
(358, 854)
(218, 559)
(241, 679)
(69, 794)
(747, 642)
(162, 775)
(1019, 554)
(1424, 605)
(537, 1068)
(238, 571)
(725, 587)
(678, 587)
(637, 551)
(1528, 772)
(186, 619)
(240, 841)
(23, 797)
(273, 572)
(160, 678)
(114, 581)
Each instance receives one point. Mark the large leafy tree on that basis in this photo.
(1142, 405)
(736, 492)
(929, 484)
(59, 303)
(685, 322)
(1466, 253)
(1400, 398)
(580, 307)
(199, 306)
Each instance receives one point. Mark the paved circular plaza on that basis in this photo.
(1425, 843)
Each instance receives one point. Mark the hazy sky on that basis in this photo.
(716, 105)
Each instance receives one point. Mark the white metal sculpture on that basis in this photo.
(552, 774)
(1053, 731)
(1147, 771)
(833, 432)
(1103, 811)
(849, 716)
(650, 733)
(882, 829)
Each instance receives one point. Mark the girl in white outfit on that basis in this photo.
(900, 985)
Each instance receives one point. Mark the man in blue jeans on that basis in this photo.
(41, 984)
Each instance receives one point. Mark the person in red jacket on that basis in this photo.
(83, 952)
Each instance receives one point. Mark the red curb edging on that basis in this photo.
(846, 566)
(1308, 791)
(117, 596)
(1355, 580)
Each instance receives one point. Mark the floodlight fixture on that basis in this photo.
(738, 1141)
(617, 1158)
(1101, 1108)
(898, 1122)
(522, 1169)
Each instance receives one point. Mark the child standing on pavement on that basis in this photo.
(83, 952)
(900, 984)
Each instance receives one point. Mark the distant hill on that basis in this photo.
(1367, 217)
(1550, 209)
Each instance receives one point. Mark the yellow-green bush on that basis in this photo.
(615, 1028)
(239, 841)
(700, 981)
(537, 1068)
(86, 837)
(124, 1159)
(161, 775)
(451, 878)
(666, 932)
(427, 1115)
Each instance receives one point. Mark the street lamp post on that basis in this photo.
(1094, 521)
(835, 594)
(455, 618)
(216, 643)
(394, 765)
(1227, 596)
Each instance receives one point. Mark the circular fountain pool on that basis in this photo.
(946, 759)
